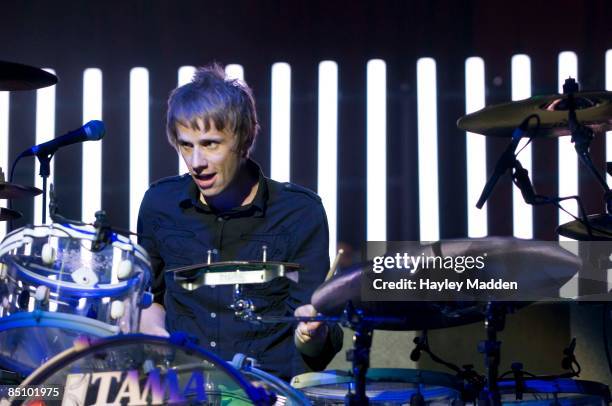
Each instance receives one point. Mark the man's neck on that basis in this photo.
(241, 192)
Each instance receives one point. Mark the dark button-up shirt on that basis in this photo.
(178, 229)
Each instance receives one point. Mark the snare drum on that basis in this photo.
(555, 392)
(136, 369)
(385, 386)
(54, 288)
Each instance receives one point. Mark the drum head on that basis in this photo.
(384, 386)
(139, 369)
(285, 395)
(27, 340)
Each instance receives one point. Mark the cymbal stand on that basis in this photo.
(582, 137)
(495, 320)
(359, 355)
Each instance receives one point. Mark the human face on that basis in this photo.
(211, 156)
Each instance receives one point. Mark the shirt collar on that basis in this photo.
(190, 196)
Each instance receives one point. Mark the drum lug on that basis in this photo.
(3, 271)
(124, 270)
(48, 254)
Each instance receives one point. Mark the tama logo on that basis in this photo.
(129, 388)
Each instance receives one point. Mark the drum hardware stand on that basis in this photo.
(244, 309)
(103, 231)
(359, 355)
(495, 319)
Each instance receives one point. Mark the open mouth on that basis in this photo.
(205, 180)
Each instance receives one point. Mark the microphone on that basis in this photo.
(505, 161)
(92, 131)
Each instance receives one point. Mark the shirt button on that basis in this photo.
(220, 219)
(213, 315)
(213, 344)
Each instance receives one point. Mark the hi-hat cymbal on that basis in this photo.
(8, 214)
(16, 76)
(15, 191)
(593, 109)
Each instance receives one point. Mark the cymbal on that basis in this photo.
(507, 258)
(233, 272)
(16, 76)
(16, 191)
(593, 109)
(601, 225)
(8, 214)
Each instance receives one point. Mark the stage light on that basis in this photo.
(91, 200)
(609, 88)
(427, 116)
(234, 71)
(185, 74)
(522, 213)
(4, 148)
(476, 148)
(139, 140)
(280, 135)
(327, 155)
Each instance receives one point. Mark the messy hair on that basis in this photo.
(214, 98)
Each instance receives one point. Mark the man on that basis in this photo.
(226, 206)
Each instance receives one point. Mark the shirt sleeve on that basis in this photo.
(312, 252)
(147, 239)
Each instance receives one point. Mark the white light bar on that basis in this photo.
(280, 137)
(185, 75)
(609, 87)
(4, 146)
(234, 71)
(45, 131)
(476, 148)
(568, 161)
(376, 135)
(139, 140)
(427, 116)
(327, 167)
(92, 151)
(522, 213)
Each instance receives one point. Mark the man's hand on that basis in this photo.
(309, 336)
(153, 321)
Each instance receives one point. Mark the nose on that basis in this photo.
(198, 160)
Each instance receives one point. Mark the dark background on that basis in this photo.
(116, 36)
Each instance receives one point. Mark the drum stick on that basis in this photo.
(332, 269)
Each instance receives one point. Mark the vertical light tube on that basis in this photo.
(427, 116)
(45, 131)
(568, 161)
(376, 135)
(327, 155)
(4, 146)
(280, 137)
(609, 87)
(139, 140)
(91, 200)
(522, 213)
(185, 74)
(476, 148)
(234, 71)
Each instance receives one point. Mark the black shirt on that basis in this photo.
(289, 220)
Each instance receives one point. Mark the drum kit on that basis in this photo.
(71, 296)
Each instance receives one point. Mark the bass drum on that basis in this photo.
(385, 386)
(555, 392)
(139, 370)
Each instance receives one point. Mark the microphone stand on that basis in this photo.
(44, 172)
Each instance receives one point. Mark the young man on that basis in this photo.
(227, 206)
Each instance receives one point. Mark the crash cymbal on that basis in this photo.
(601, 227)
(15, 191)
(8, 214)
(15, 76)
(506, 258)
(593, 109)
(233, 272)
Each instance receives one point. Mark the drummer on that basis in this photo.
(225, 206)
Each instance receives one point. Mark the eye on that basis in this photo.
(210, 144)
(184, 145)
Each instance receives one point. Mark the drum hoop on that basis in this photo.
(72, 354)
(40, 318)
(71, 288)
(561, 386)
